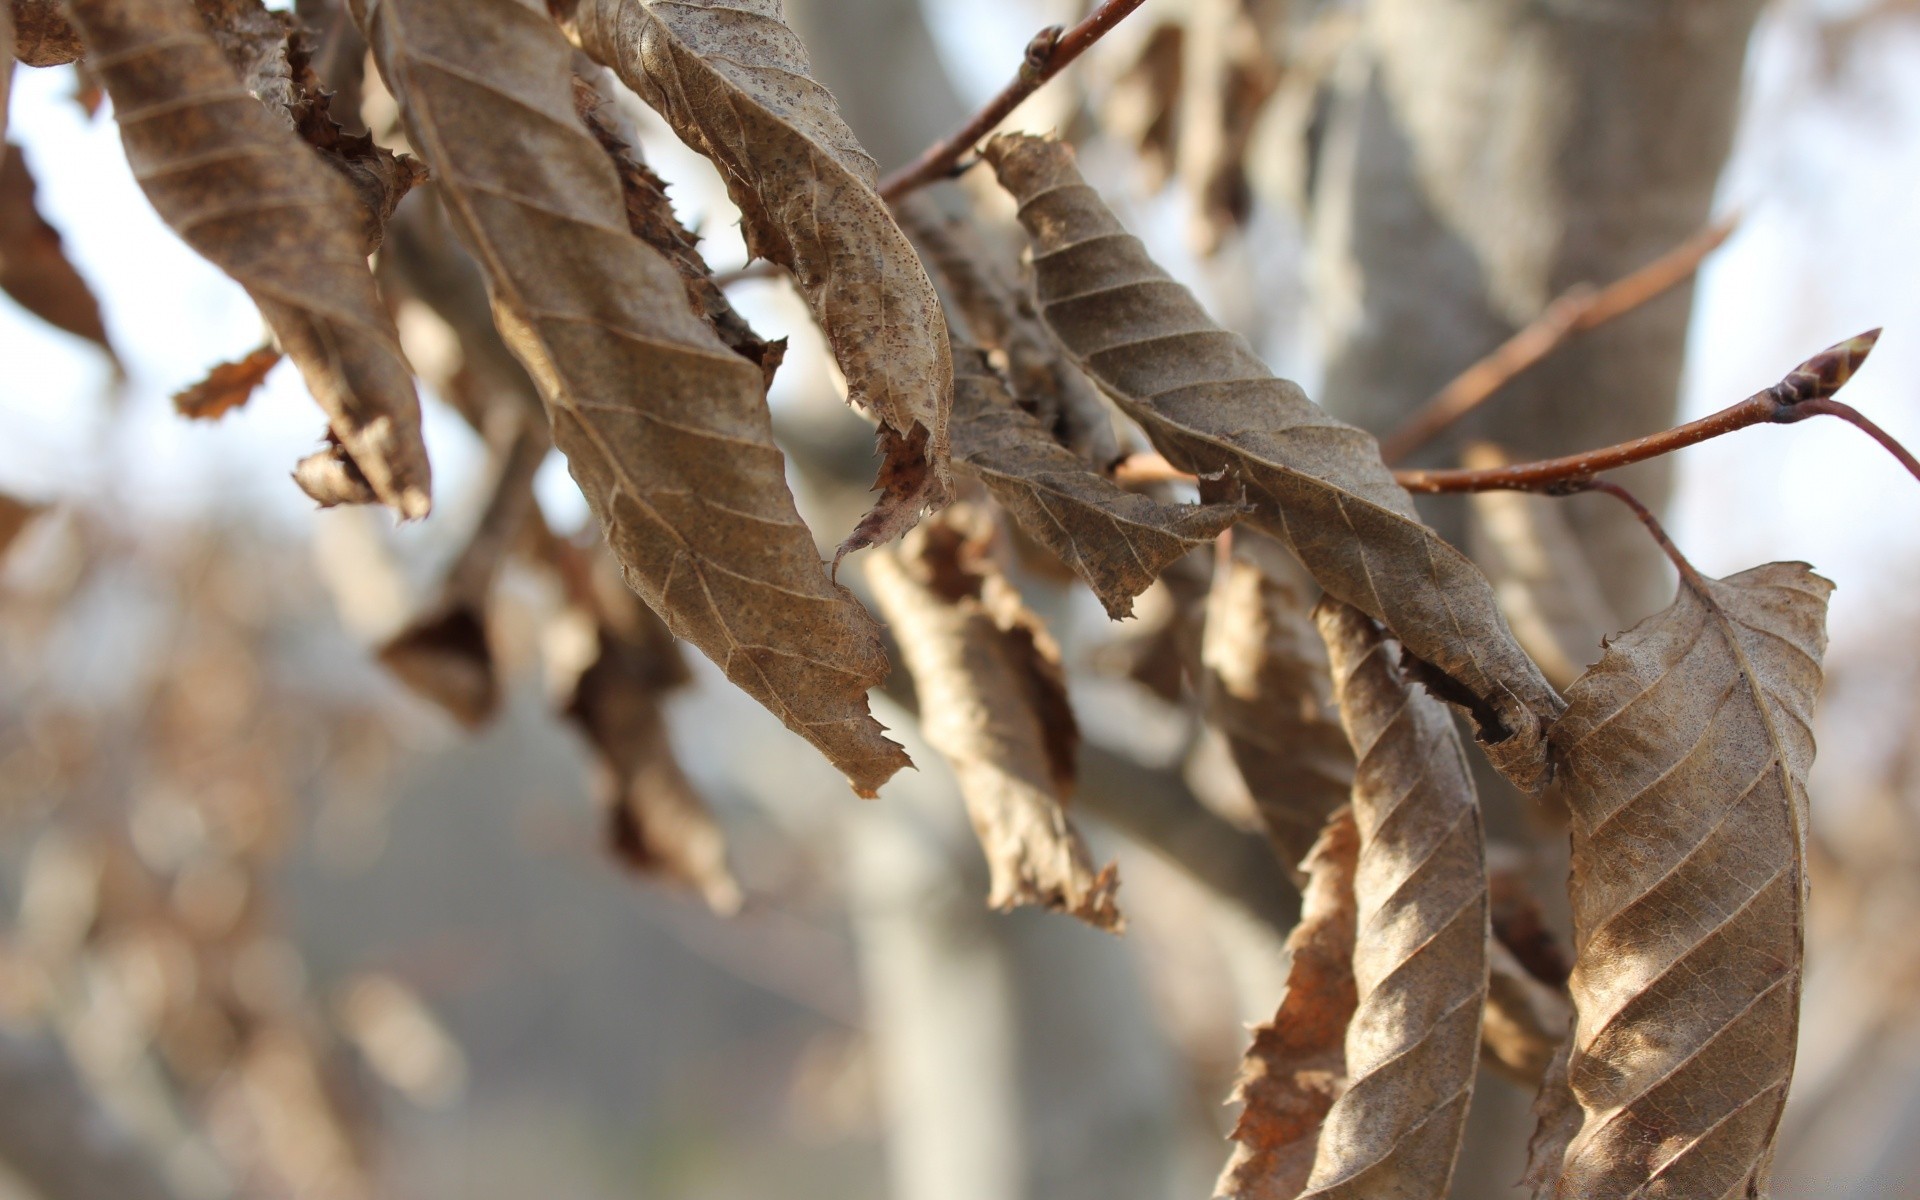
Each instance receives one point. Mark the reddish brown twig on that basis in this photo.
(1050, 50)
(1807, 391)
(1647, 518)
(1578, 309)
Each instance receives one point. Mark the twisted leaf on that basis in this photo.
(1116, 540)
(1297, 1063)
(241, 189)
(34, 268)
(1684, 757)
(1420, 956)
(993, 702)
(1265, 688)
(1213, 408)
(734, 82)
(664, 428)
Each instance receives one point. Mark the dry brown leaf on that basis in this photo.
(34, 268)
(1526, 1021)
(1213, 409)
(42, 35)
(1542, 578)
(1683, 761)
(1556, 1119)
(329, 477)
(14, 516)
(734, 82)
(993, 703)
(1000, 317)
(444, 655)
(227, 386)
(1297, 1063)
(650, 216)
(1116, 540)
(657, 822)
(242, 190)
(1420, 957)
(1266, 689)
(682, 471)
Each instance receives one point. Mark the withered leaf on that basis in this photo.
(993, 703)
(735, 83)
(227, 386)
(1420, 957)
(34, 268)
(14, 516)
(657, 821)
(1297, 1063)
(1266, 689)
(329, 477)
(1556, 1119)
(238, 187)
(1318, 485)
(444, 656)
(42, 35)
(650, 216)
(1683, 762)
(664, 428)
(1116, 540)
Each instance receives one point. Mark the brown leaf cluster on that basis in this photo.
(993, 703)
(1116, 540)
(1266, 689)
(1215, 410)
(682, 474)
(735, 83)
(34, 269)
(1296, 1065)
(1420, 956)
(242, 190)
(1684, 756)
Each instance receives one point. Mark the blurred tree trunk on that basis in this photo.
(1479, 157)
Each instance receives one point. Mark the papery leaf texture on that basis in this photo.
(1683, 763)
(237, 185)
(1420, 953)
(1297, 1063)
(1116, 540)
(993, 703)
(735, 83)
(665, 429)
(1214, 409)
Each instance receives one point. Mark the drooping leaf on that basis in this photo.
(444, 655)
(1420, 956)
(227, 386)
(241, 189)
(1214, 409)
(656, 820)
(1683, 761)
(665, 429)
(42, 35)
(34, 268)
(1266, 690)
(1297, 1063)
(735, 83)
(1000, 317)
(1116, 540)
(993, 703)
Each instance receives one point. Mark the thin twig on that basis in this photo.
(1048, 52)
(1647, 518)
(1807, 391)
(1578, 309)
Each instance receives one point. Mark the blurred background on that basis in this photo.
(273, 925)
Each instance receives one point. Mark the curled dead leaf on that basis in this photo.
(1116, 540)
(1297, 1063)
(993, 702)
(1684, 757)
(1420, 957)
(239, 188)
(1318, 485)
(735, 83)
(682, 474)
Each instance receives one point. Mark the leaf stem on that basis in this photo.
(1050, 50)
(1659, 532)
(1576, 310)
